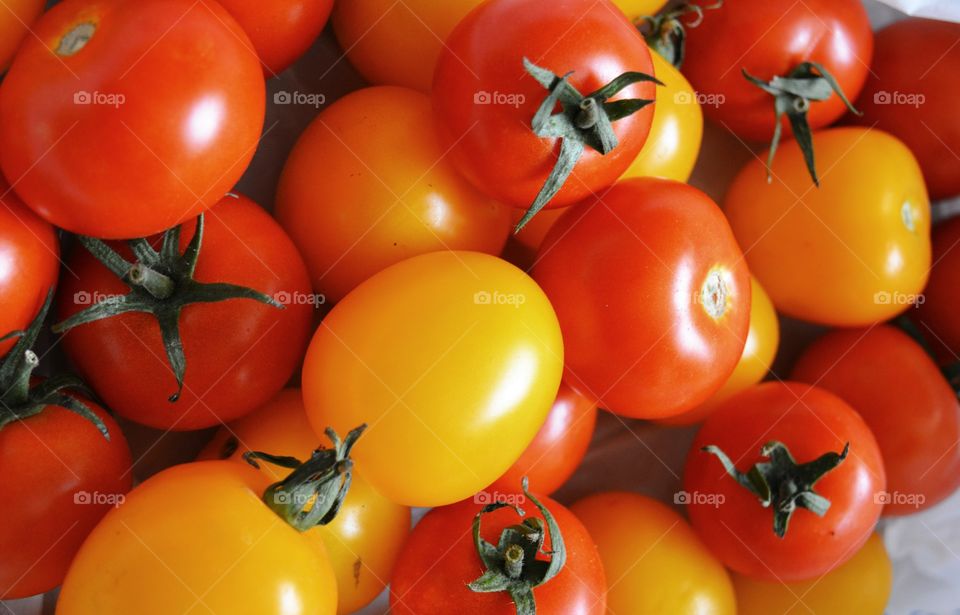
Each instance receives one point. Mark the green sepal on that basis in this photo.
(666, 33)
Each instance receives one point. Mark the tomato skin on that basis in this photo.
(810, 422)
(15, 23)
(364, 540)
(926, 125)
(653, 559)
(194, 535)
(172, 140)
(639, 8)
(30, 253)
(768, 39)
(936, 315)
(860, 585)
(557, 449)
(854, 226)
(281, 30)
(446, 342)
(881, 371)
(50, 461)
(493, 144)
(440, 559)
(239, 353)
(625, 276)
(379, 208)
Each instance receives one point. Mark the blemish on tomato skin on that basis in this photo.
(357, 567)
(76, 39)
(714, 295)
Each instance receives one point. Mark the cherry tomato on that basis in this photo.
(116, 120)
(379, 207)
(281, 31)
(29, 264)
(364, 539)
(440, 559)
(558, 447)
(880, 371)
(813, 425)
(910, 96)
(860, 585)
(768, 39)
(652, 295)
(936, 314)
(852, 252)
(238, 353)
(197, 536)
(15, 23)
(452, 358)
(653, 559)
(485, 101)
(759, 351)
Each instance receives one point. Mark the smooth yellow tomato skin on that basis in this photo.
(653, 559)
(364, 540)
(196, 538)
(853, 251)
(452, 358)
(861, 585)
(635, 9)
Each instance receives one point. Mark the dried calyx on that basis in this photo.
(666, 33)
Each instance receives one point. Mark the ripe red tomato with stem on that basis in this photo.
(194, 330)
(785, 482)
(652, 294)
(500, 76)
(65, 463)
(117, 121)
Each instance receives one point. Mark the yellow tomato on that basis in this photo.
(852, 252)
(653, 559)
(196, 538)
(16, 17)
(635, 9)
(861, 585)
(397, 43)
(673, 145)
(453, 359)
(364, 539)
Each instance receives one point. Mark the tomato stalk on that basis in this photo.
(19, 400)
(582, 121)
(781, 483)
(666, 33)
(313, 492)
(512, 566)
(161, 284)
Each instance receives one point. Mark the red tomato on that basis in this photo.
(936, 314)
(239, 353)
(485, 101)
(652, 294)
(558, 447)
(29, 264)
(117, 121)
(811, 423)
(281, 30)
(440, 559)
(768, 39)
(911, 96)
(880, 372)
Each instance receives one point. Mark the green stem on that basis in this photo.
(154, 282)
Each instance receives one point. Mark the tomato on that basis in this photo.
(558, 447)
(115, 117)
(759, 351)
(15, 23)
(532, 234)
(281, 31)
(377, 207)
(852, 252)
(238, 353)
(485, 101)
(768, 39)
(652, 295)
(364, 539)
(452, 358)
(811, 425)
(861, 585)
(440, 559)
(653, 559)
(880, 371)
(936, 314)
(197, 536)
(909, 96)
(29, 264)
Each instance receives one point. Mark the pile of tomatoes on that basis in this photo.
(466, 262)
